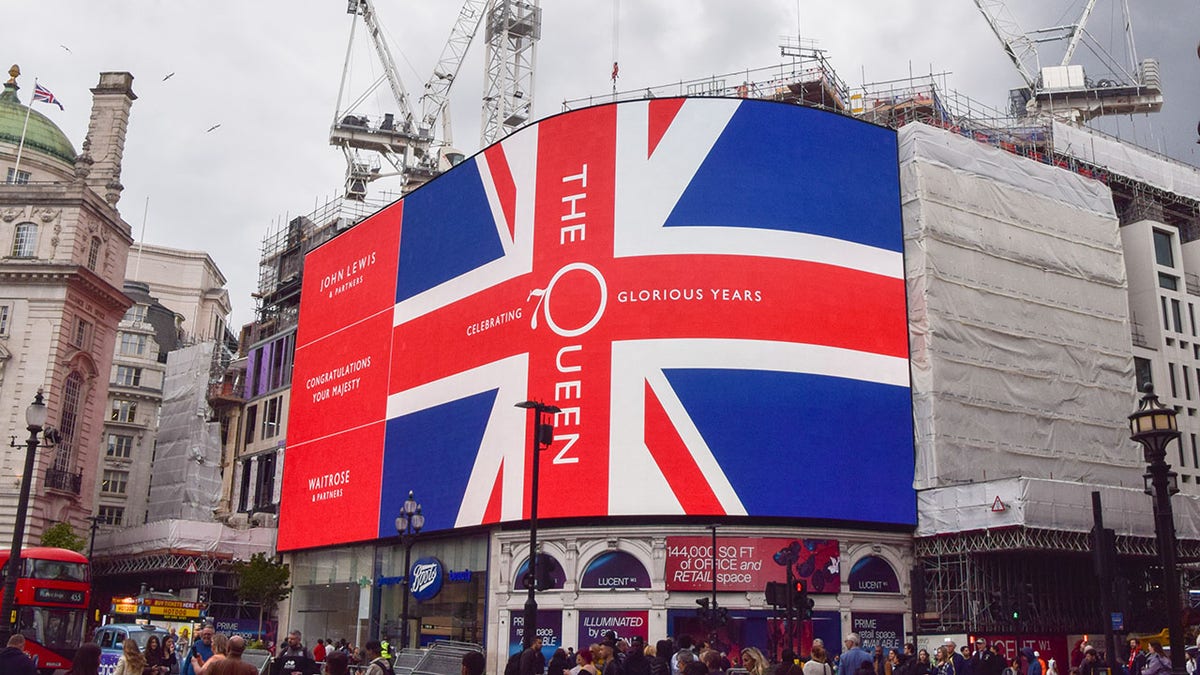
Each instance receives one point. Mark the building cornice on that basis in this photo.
(106, 295)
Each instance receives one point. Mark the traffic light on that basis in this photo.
(804, 604)
(776, 593)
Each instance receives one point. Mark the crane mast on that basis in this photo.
(513, 28)
(437, 90)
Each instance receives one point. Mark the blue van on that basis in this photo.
(111, 639)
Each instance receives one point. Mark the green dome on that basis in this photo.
(42, 135)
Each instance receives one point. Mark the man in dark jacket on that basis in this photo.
(13, 660)
(533, 662)
(636, 662)
(983, 661)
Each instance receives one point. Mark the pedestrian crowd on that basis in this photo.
(214, 653)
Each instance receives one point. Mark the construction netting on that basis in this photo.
(1127, 159)
(187, 536)
(187, 465)
(1022, 358)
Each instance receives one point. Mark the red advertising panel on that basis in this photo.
(688, 281)
(340, 381)
(748, 563)
(335, 486)
(350, 277)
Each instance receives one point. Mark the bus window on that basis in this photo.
(52, 628)
(56, 570)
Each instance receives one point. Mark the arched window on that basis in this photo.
(25, 240)
(549, 569)
(93, 254)
(873, 574)
(69, 422)
(615, 569)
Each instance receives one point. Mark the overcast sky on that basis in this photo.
(268, 73)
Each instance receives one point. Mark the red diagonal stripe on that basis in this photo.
(506, 187)
(676, 463)
(662, 112)
(491, 514)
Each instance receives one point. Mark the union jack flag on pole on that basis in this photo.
(44, 95)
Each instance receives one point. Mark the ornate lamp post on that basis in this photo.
(35, 421)
(408, 525)
(1153, 425)
(543, 436)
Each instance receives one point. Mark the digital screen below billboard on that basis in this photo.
(710, 290)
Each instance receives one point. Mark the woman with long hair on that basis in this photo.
(922, 666)
(170, 659)
(753, 661)
(1157, 662)
(945, 662)
(154, 657)
(132, 662)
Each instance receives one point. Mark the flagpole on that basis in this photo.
(24, 127)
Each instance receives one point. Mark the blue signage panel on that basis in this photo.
(427, 576)
(549, 628)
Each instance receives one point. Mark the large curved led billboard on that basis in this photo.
(710, 290)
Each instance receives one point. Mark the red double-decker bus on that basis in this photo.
(53, 594)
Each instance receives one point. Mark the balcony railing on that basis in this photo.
(57, 479)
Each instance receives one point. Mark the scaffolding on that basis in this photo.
(808, 79)
(1035, 581)
(282, 263)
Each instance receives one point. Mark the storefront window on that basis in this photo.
(455, 611)
(329, 594)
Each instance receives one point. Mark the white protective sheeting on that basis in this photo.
(186, 482)
(1036, 502)
(1126, 160)
(186, 536)
(1018, 316)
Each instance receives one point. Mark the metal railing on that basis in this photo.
(57, 479)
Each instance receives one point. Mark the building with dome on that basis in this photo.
(63, 253)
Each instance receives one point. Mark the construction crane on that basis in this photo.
(1063, 90)
(413, 146)
(513, 30)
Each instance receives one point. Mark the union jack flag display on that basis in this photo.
(43, 94)
(711, 291)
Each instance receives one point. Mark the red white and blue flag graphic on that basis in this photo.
(43, 94)
(710, 290)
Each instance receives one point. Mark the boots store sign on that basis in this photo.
(689, 281)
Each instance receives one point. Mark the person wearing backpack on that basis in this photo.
(377, 664)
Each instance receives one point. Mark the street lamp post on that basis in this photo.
(408, 524)
(35, 421)
(1153, 425)
(543, 436)
(95, 522)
